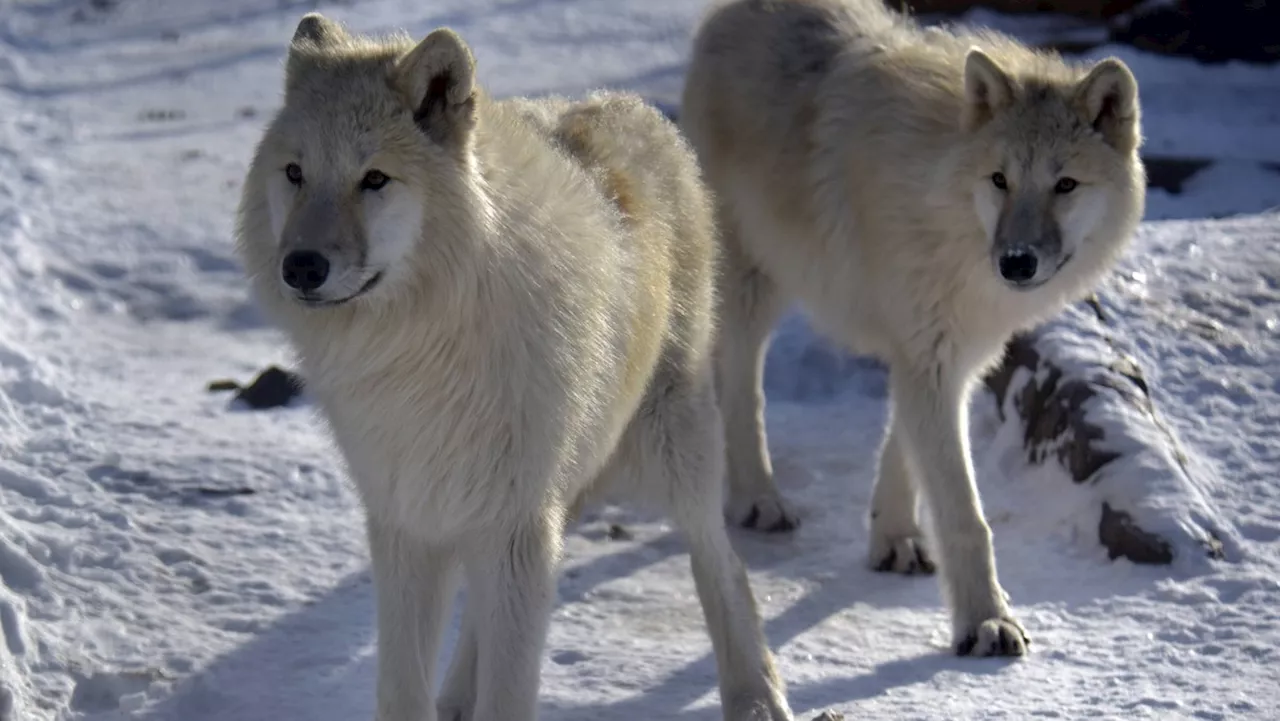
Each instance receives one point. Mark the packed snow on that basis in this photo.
(168, 555)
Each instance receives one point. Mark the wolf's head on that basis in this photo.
(1056, 181)
(369, 155)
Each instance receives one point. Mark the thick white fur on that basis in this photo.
(853, 153)
(542, 332)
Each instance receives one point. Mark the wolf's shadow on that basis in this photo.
(318, 663)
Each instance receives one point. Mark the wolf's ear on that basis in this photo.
(314, 32)
(318, 30)
(1108, 98)
(987, 88)
(437, 80)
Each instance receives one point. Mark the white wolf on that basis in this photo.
(501, 307)
(924, 193)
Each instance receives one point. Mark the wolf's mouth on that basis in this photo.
(317, 302)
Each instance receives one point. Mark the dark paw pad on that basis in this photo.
(995, 639)
(783, 524)
(918, 564)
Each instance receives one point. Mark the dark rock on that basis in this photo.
(1020, 353)
(1127, 368)
(1052, 411)
(1214, 548)
(1122, 537)
(222, 386)
(829, 716)
(274, 387)
(1169, 174)
(1053, 414)
(619, 533)
(1051, 405)
(1211, 31)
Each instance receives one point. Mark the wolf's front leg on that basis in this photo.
(457, 700)
(930, 424)
(414, 585)
(511, 591)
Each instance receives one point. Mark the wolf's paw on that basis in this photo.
(906, 555)
(766, 513)
(994, 637)
(768, 709)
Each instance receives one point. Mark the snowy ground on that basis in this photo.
(164, 556)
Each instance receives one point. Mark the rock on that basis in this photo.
(1052, 411)
(1169, 174)
(1083, 401)
(274, 387)
(1122, 537)
(619, 533)
(1210, 31)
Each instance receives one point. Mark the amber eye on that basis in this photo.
(293, 172)
(998, 180)
(374, 180)
(1065, 185)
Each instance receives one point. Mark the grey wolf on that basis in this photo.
(504, 310)
(923, 193)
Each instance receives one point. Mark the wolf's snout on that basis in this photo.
(304, 270)
(1018, 265)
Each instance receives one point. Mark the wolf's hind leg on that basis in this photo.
(458, 692)
(896, 544)
(750, 304)
(680, 442)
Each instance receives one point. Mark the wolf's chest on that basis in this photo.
(434, 467)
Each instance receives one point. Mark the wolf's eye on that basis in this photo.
(374, 180)
(1065, 185)
(293, 172)
(998, 180)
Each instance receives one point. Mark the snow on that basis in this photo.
(139, 580)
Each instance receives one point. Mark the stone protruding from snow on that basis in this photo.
(1083, 402)
(274, 387)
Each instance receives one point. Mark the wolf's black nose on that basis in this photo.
(304, 270)
(1018, 265)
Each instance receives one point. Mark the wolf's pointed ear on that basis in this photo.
(317, 29)
(314, 32)
(987, 88)
(1108, 99)
(437, 80)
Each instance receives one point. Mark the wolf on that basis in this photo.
(923, 193)
(504, 309)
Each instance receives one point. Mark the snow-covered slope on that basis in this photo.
(166, 556)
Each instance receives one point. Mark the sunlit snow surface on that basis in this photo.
(136, 582)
